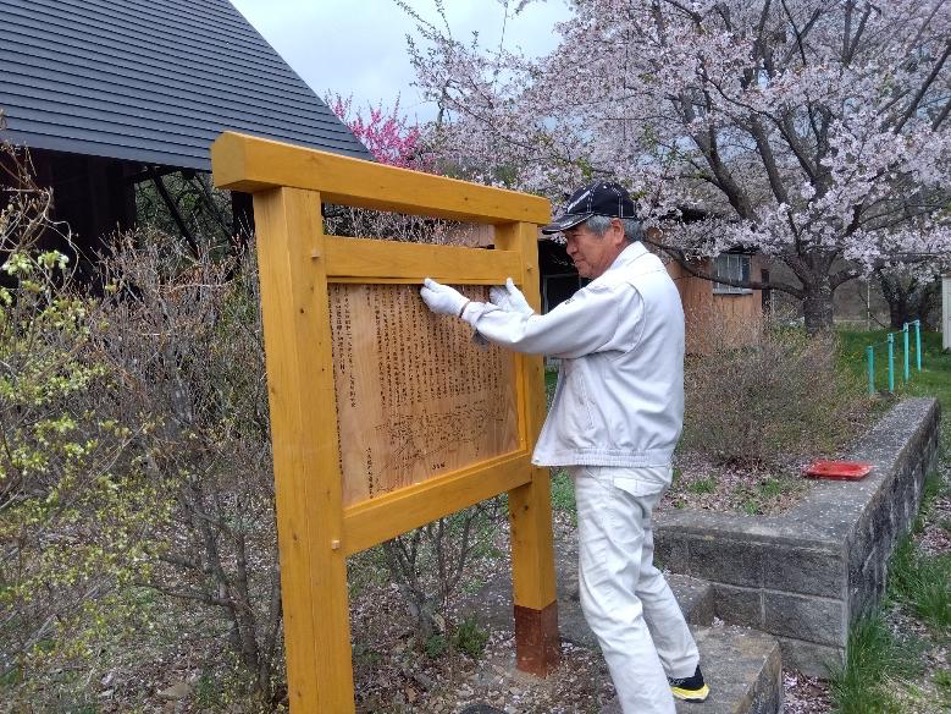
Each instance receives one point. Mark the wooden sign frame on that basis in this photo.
(297, 262)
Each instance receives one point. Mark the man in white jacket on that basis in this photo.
(615, 419)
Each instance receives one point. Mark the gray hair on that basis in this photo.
(633, 230)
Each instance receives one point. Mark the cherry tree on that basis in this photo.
(813, 131)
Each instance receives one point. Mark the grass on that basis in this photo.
(703, 485)
(563, 494)
(932, 381)
(921, 583)
(886, 671)
(874, 655)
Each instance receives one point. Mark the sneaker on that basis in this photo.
(690, 689)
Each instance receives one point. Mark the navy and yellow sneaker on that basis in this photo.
(690, 689)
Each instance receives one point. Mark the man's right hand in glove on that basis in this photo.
(510, 298)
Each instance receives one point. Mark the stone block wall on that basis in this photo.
(805, 576)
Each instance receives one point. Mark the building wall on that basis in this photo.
(713, 319)
(92, 195)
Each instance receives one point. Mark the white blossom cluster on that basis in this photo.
(811, 130)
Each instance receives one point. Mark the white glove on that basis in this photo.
(510, 298)
(442, 299)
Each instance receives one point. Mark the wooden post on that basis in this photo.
(530, 506)
(290, 243)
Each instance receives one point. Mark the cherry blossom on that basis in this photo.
(387, 134)
(813, 131)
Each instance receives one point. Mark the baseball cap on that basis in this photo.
(599, 198)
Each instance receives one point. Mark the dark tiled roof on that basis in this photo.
(153, 81)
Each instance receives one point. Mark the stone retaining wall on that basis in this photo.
(806, 575)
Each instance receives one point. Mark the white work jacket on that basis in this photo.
(619, 400)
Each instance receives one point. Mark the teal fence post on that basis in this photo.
(890, 347)
(918, 346)
(871, 370)
(905, 352)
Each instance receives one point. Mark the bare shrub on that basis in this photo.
(782, 396)
(430, 564)
(183, 335)
(386, 225)
(136, 491)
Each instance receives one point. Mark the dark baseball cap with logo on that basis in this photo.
(599, 198)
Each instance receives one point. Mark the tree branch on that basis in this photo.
(690, 13)
(800, 34)
(708, 146)
(842, 276)
(690, 266)
(770, 163)
(914, 104)
(851, 44)
(789, 133)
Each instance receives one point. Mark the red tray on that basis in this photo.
(842, 470)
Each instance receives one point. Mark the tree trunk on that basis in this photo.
(909, 298)
(818, 308)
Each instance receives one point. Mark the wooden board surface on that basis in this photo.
(415, 397)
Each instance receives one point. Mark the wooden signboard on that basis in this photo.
(385, 416)
(415, 398)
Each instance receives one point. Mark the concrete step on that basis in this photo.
(696, 598)
(741, 666)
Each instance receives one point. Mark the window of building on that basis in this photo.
(733, 266)
(558, 288)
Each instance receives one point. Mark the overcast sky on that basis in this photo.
(359, 48)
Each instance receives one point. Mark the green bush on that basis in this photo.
(435, 646)
(75, 503)
(74, 500)
(470, 638)
(135, 473)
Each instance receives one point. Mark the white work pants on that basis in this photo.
(625, 599)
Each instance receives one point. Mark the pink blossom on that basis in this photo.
(388, 135)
